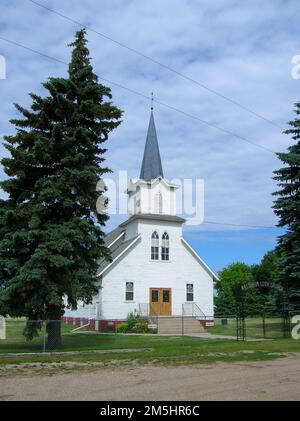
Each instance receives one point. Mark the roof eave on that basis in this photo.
(205, 265)
(118, 256)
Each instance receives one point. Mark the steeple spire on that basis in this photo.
(151, 166)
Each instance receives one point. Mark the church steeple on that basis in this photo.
(151, 166)
(151, 193)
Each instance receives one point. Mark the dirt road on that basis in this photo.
(265, 380)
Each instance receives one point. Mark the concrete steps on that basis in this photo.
(178, 325)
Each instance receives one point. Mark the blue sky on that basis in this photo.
(241, 49)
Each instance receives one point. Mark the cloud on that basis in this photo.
(242, 50)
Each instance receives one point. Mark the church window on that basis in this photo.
(129, 291)
(154, 296)
(154, 246)
(165, 247)
(189, 292)
(166, 295)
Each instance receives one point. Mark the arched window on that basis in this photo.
(155, 246)
(158, 203)
(165, 246)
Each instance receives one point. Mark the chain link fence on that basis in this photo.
(23, 336)
(20, 336)
(257, 326)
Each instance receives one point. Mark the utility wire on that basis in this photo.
(133, 50)
(238, 225)
(228, 132)
(204, 221)
(165, 105)
(32, 50)
(123, 210)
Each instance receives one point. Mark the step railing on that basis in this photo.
(192, 310)
(145, 313)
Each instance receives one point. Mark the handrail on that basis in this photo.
(146, 312)
(143, 313)
(80, 327)
(192, 309)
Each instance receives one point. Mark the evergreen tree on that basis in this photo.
(266, 276)
(50, 233)
(267, 271)
(287, 208)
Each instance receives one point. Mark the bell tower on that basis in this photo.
(151, 193)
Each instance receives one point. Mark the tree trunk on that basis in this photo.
(53, 329)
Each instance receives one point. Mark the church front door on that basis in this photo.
(160, 301)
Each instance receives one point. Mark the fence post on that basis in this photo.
(2, 328)
(240, 327)
(264, 326)
(44, 341)
(182, 320)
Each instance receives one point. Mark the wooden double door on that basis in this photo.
(160, 301)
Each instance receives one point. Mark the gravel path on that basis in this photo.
(265, 380)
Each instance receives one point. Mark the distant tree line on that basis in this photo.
(258, 286)
(273, 285)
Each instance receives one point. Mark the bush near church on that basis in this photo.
(134, 324)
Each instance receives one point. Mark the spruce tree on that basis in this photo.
(287, 208)
(51, 235)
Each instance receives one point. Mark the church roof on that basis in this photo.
(117, 247)
(151, 165)
(156, 217)
(113, 235)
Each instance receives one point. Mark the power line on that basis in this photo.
(122, 211)
(133, 50)
(204, 221)
(238, 225)
(228, 132)
(32, 50)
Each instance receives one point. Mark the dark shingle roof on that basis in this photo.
(156, 217)
(113, 235)
(151, 166)
(116, 249)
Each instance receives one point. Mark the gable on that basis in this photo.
(204, 265)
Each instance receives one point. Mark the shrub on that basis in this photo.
(132, 319)
(134, 324)
(123, 327)
(141, 327)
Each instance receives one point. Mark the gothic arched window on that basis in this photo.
(165, 247)
(155, 246)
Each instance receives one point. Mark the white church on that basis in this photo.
(154, 271)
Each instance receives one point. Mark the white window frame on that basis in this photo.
(165, 247)
(155, 244)
(193, 292)
(129, 292)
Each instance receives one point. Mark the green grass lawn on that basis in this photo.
(15, 341)
(166, 350)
